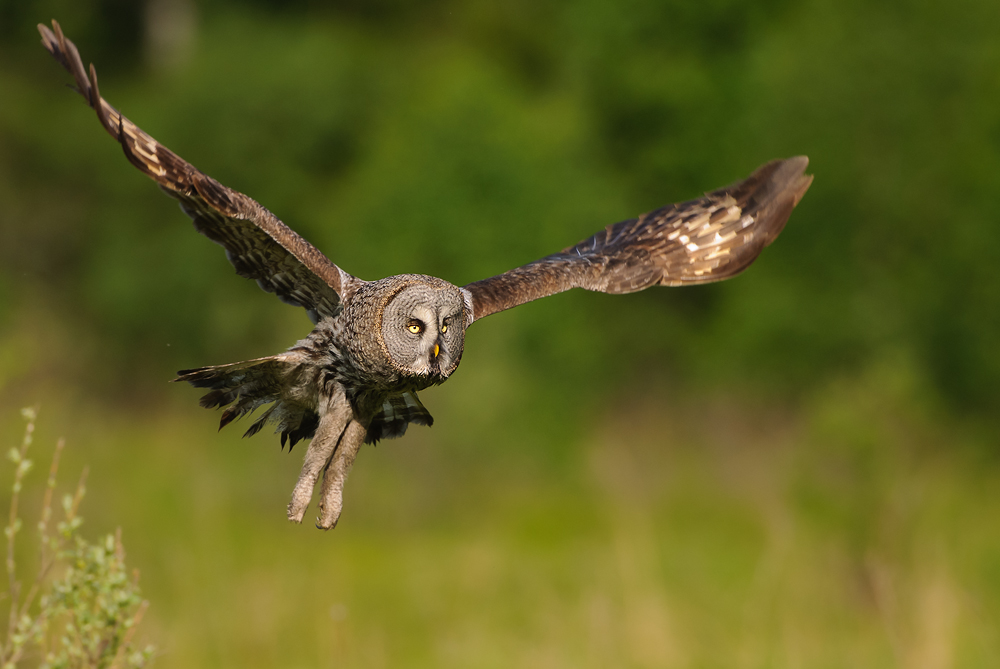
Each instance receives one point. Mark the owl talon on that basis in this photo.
(296, 508)
(316, 458)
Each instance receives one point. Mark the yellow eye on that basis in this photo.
(415, 328)
(444, 328)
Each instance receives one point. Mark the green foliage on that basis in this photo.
(794, 468)
(460, 139)
(82, 608)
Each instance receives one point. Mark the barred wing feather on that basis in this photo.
(708, 239)
(258, 245)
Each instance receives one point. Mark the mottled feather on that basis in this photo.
(708, 239)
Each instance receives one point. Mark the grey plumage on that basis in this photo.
(354, 379)
(366, 359)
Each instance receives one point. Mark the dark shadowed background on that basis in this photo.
(798, 467)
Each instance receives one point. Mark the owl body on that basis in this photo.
(354, 379)
(383, 346)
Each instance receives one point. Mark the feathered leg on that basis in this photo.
(334, 420)
(331, 500)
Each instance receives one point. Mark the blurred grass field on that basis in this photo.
(796, 468)
(849, 530)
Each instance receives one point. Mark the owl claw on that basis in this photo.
(297, 507)
(317, 457)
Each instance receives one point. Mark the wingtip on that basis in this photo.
(802, 162)
(801, 181)
(49, 34)
(49, 39)
(785, 187)
(790, 169)
(782, 177)
(804, 182)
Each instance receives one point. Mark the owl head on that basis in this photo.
(420, 325)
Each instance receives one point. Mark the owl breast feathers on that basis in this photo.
(354, 379)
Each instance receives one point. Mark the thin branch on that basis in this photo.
(48, 558)
(43, 524)
(129, 633)
(17, 455)
(13, 525)
(81, 490)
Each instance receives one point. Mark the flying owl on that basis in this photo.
(354, 379)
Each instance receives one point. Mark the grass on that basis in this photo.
(856, 528)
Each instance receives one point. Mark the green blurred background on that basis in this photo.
(796, 468)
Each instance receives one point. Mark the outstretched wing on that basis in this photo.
(258, 245)
(709, 239)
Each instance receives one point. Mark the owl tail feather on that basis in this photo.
(242, 387)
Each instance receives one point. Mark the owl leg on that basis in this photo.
(333, 423)
(331, 497)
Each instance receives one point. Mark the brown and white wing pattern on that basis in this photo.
(708, 239)
(258, 245)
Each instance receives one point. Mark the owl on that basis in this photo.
(354, 379)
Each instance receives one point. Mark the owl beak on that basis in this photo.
(437, 349)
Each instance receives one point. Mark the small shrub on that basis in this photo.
(82, 607)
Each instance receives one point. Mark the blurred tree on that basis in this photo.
(509, 130)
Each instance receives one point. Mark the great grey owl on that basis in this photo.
(354, 378)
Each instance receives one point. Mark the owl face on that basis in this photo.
(423, 327)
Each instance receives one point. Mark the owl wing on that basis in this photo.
(708, 239)
(258, 245)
